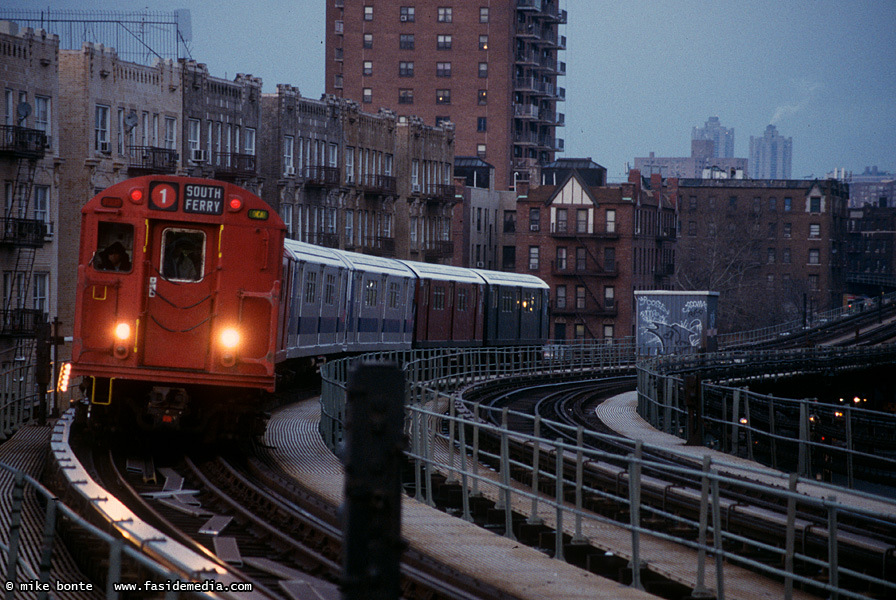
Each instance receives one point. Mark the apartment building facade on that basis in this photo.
(595, 245)
(29, 169)
(773, 249)
(490, 68)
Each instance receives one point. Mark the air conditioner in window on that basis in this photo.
(415, 189)
(289, 171)
(198, 156)
(403, 18)
(104, 147)
(533, 227)
(479, 264)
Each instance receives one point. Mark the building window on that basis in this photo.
(534, 219)
(533, 258)
(443, 96)
(509, 221)
(367, 95)
(483, 42)
(692, 228)
(814, 256)
(349, 227)
(581, 259)
(481, 124)
(406, 41)
(406, 69)
(772, 204)
(480, 150)
(367, 69)
(349, 164)
(692, 203)
(445, 14)
(561, 296)
(611, 221)
(772, 230)
(368, 40)
(368, 13)
(442, 119)
(483, 14)
(610, 259)
(815, 204)
(785, 256)
(787, 229)
(101, 128)
(482, 97)
(609, 331)
(814, 230)
(42, 114)
(732, 202)
(581, 220)
(483, 69)
(788, 204)
(561, 258)
(443, 69)
(406, 14)
(813, 283)
(405, 96)
(609, 297)
(771, 256)
(171, 133)
(580, 297)
(249, 141)
(41, 203)
(443, 42)
(561, 224)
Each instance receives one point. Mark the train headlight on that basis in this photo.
(230, 338)
(122, 331)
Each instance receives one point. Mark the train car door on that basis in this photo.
(180, 294)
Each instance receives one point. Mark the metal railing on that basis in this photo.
(818, 440)
(444, 437)
(22, 573)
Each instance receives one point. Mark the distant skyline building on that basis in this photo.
(722, 137)
(770, 155)
(700, 164)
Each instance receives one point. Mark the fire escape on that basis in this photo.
(585, 271)
(21, 236)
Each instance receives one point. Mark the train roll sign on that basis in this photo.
(204, 199)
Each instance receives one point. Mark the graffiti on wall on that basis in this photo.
(661, 331)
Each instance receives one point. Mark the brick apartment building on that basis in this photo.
(871, 249)
(29, 169)
(490, 68)
(771, 248)
(343, 178)
(595, 245)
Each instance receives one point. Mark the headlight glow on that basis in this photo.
(122, 331)
(230, 338)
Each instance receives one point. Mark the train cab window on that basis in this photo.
(183, 251)
(115, 247)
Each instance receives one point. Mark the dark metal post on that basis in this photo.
(42, 368)
(373, 457)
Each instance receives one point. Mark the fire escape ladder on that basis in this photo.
(18, 231)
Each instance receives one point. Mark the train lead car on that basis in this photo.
(177, 304)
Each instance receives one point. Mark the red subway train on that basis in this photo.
(189, 300)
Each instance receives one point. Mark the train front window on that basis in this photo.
(183, 254)
(115, 247)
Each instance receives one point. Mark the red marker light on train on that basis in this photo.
(235, 203)
(137, 195)
(111, 202)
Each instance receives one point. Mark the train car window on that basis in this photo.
(461, 300)
(310, 287)
(370, 293)
(330, 289)
(506, 301)
(393, 295)
(438, 297)
(183, 252)
(115, 246)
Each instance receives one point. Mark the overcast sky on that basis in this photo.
(640, 73)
